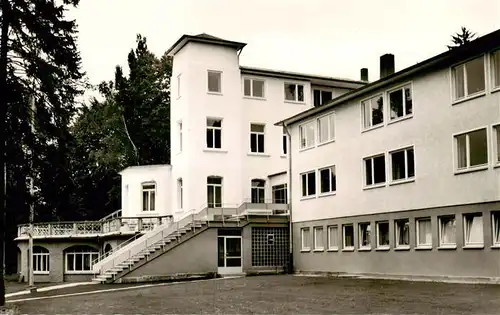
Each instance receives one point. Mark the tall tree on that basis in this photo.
(460, 39)
(39, 60)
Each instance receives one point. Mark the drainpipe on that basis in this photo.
(290, 226)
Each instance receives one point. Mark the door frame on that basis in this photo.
(225, 269)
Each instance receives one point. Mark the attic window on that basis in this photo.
(214, 81)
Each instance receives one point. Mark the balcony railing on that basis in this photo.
(113, 225)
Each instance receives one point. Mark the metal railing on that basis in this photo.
(113, 215)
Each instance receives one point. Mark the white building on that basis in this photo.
(402, 176)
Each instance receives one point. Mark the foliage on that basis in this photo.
(460, 39)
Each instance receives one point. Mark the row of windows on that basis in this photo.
(257, 136)
(256, 88)
(77, 259)
(469, 79)
(473, 235)
(471, 152)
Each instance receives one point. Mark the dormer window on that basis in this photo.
(148, 196)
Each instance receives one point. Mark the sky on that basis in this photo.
(325, 37)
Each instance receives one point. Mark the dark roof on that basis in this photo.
(202, 38)
(446, 59)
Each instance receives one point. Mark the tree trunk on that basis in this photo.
(3, 115)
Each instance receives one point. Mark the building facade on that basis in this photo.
(402, 176)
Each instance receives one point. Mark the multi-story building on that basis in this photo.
(402, 176)
(221, 206)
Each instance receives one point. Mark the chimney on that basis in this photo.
(364, 74)
(386, 65)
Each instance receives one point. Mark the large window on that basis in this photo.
(253, 88)
(214, 191)
(473, 229)
(258, 190)
(321, 97)
(333, 237)
(471, 149)
(305, 237)
(148, 196)
(447, 231)
(327, 180)
(373, 111)
(41, 260)
(495, 69)
(495, 225)
(214, 81)
(318, 238)
(257, 138)
(468, 78)
(374, 170)
(308, 183)
(80, 258)
(403, 164)
(214, 133)
(348, 236)
(402, 230)
(326, 128)
(383, 235)
(424, 232)
(364, 235)
(294, 92)
(180, 193)
(280, 193)
(400, 102)
(306, 132)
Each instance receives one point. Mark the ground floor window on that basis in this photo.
(348, 236)
(80, 258)
(270, 246)
(473, 229)
(364, 235)
(383, 234)
(447, 231)
(318, 238)
(402, 230)
(495, 221)
(424, 232)
(305, 238)
(333, 238)
(41, 260)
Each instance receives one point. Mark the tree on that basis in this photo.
(460, 39)
(39, 60)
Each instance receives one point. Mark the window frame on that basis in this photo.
(179, 85)
(179, 126)
(284, 149)
(333, 188)
(220, 82)
(495, 229)
(388, 99)
(316, 246)
(41, 260)
(207, 128)
(493, 78)
(417, 234)
(150, 191)
(372, 158)
(330, 246)
(330, 128)
(256, 134)
(297, 84)
(443, 245)
(321, 95)
(377, 235)
(469, 168)
(360, 238)
(496, 144)
(280, 187)
(180, 193)
(307, 184)
(260, 190)
(468, 243)
(93, 255)
(453, 80)
(407, 179)
(397, 224)
(362, 108)
(344, 247)
(252, 79)
(221, 185)
(303, 132)
(302, 232)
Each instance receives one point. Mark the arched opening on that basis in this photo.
(41, 260)
(107, 248)
(79, 258)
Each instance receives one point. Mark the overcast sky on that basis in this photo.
(326, 37)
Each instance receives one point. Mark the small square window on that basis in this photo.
(318, 238)
(473, 229)
(348, 236)
(402, 230)
(321, 97)
(364, 235)
(383, 235)
(305, 239)
(253, 88)
(333, 237)
(294, 92)
(214, 81)
(447, 231)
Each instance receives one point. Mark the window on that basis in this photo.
(179, 85)
(471, 149)
(305, 238)
(327, 180)
(318, 238)
(403, 164)
(373, 111)
(424, 232)
(375, 170)
(473, 229)
(148, 196)
(308, 184)
(180, 201)
(214, 191)
(402, 229)
(214, 133)
(468, 78)
(326, 128)
(214, 81)
(447, 231)
(253, 88)
(383, 235)
(348, 236)
(294, 92)
(80, 258)
(496, 132)
(321, 97)
(257, 138)
(333, 237)
(180, 136)
(285, 141)
(364, 235)
(495, 64)
(280, 194)
(258, 190)
(400, 102)
(41, 260)
(306, 132)
(495, 222)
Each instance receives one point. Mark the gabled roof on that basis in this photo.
(443, 60)
(202, 38)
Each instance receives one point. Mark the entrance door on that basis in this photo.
(229, 253)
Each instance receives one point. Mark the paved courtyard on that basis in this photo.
(274, 295)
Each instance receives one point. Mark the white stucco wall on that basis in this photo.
(430, 131)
